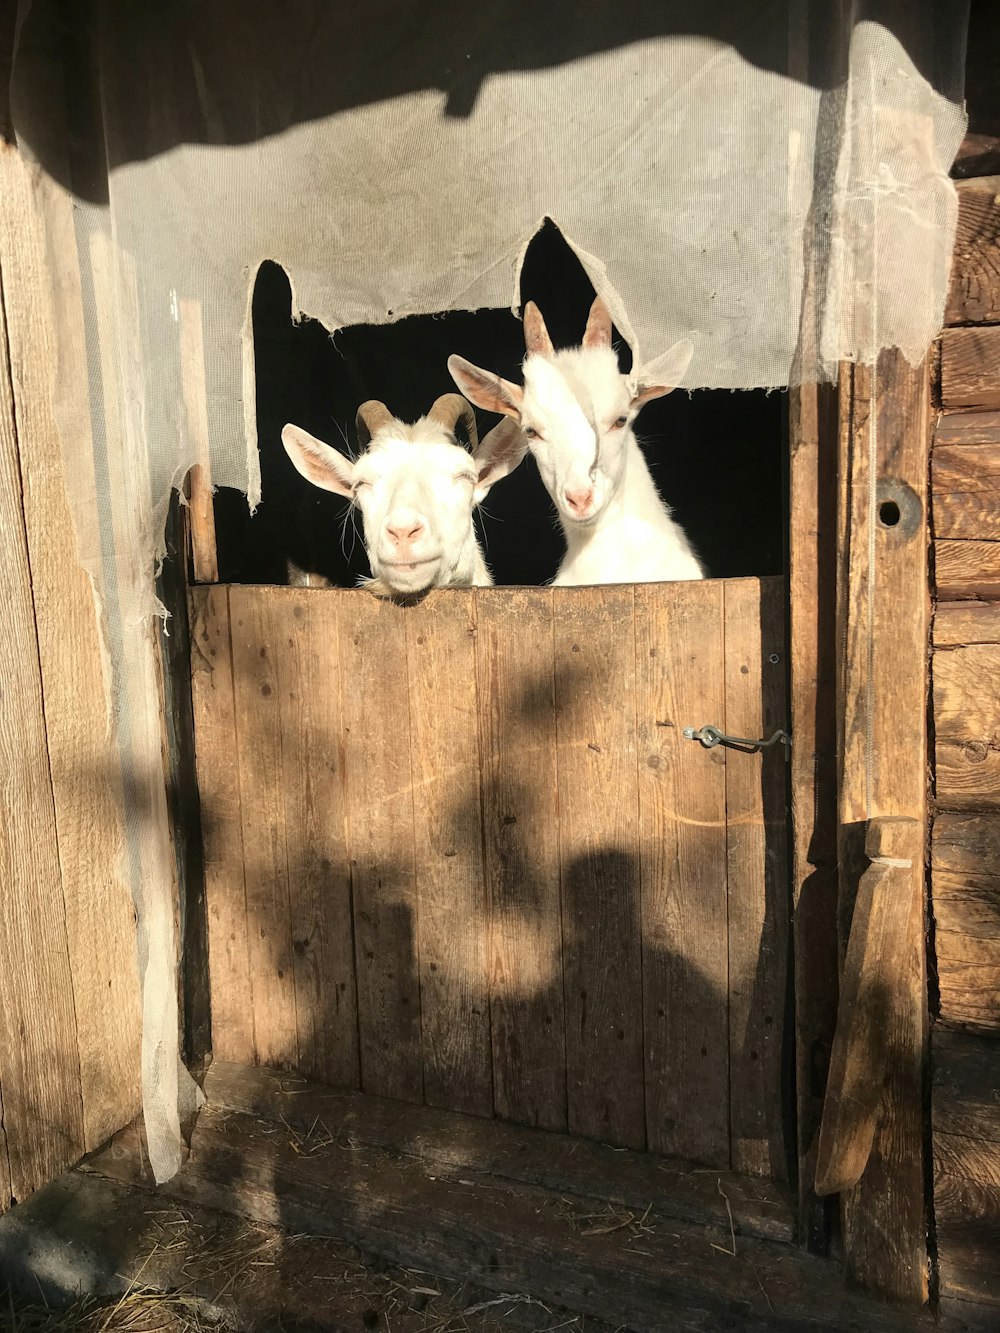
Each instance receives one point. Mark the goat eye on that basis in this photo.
(531, 433)
(619, 423)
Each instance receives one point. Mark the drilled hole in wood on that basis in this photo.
(888, 513)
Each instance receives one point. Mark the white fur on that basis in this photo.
(577, 410)
(416, 489)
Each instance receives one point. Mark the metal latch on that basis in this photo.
(711, 736)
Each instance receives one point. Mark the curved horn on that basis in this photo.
(372, 416)
(446, 411)
(536, 335)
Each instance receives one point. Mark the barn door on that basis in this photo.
(464, 852)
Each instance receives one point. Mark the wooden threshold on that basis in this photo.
(622, 1236)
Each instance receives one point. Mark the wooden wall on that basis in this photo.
(461, 853)
(965, 851)
(69, 1005)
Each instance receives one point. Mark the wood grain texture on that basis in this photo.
(452, 923)
(967, 569)
(965, 902)
(45, 334)
(42, 1131)
(594, 655)
(679, 682)
(262, 672)
(757, 872)
(191, 349)
(966, 1091)
(970, 367)
(517, 742)
(883, 616)
(967, 428)
(967, 1212)
(967, 726)
(221, 825)
(959, 623)
(310, 784)
(965, 481)
(376, 717)
(813, 435)
(974, 294)
(869, 1022)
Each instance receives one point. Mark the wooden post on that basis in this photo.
(881, 715)
(201, 517)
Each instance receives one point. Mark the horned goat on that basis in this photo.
(576, 410)
(416, 488)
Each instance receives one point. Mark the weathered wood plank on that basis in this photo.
(959, 623)
(878, 957)
(310, 786)
(757, 868)
(966, 775)
(967, 428)
(42, 1130)
(594, 656)
(965, 481)
(968, 965)
(221, 824)
(970, 367)
(517, 741)
(260, 680)
(974, 295)
(966, 1090)
(966, 698)
(47, 349)
(813, 435)
(513, 1237)
(191, 349)
(381, 835)
(967, 569)
(452, 922)
(978, 155)
(883, 613)
(462, 1145)
(967, 1213)
(679, 681)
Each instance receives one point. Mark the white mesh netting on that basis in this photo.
(397, 158)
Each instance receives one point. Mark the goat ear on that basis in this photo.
(499, 454)
(598, 331)
(317, 462)
(536, 336)
(487, 391)
(662, 374)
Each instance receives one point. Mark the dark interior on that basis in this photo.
(717, 456)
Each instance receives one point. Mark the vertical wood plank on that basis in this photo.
(882, 720)
(42, 1131)
(217, 763)
(517, 729)
(47, 349)
(381, 834)
(757, 858)
(311, 786)
(258, 660)
(594, 653)
(813, 435)
(452, 924)
(679, 651)
(191, 349)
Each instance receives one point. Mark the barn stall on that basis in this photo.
(450, 880)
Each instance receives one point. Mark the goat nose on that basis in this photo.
(404, 530)
(581, 500)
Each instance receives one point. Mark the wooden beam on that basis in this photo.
(974, 296)
(967, 428)
(965, 899)
(882, 687)
(967, 569)
(959, 623)
(966, 725)
(874, 981)
(205, 558)
(970, 367)
(965, 481)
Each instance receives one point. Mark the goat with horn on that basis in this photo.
(416, 487)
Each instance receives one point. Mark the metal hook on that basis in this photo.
(710, 737)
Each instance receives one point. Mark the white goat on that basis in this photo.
(576, 410)
(416, 489)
